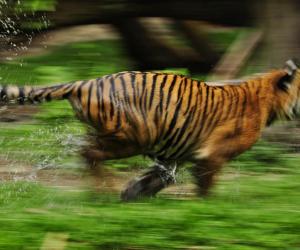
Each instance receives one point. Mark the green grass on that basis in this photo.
(258, 211)
(83, 60)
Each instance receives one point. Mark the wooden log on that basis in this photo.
(236, 55)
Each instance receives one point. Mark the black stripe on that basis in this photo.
(245, 102)
(144, 79)
(37, 97)
(118, 124)
(212, 96)
(221, 103)
(164, 123)
(133, 77)
(141, 96)
(101, 89)
(68, 92)
(198, 121)
(189, 98)
(53, 89)
(79, 92)
(156, 116)
(166, 110)
(154, 79)
(203, 114)
(98, 98)
(137, 86)
(161, 99)
(124, 105)
(207, 91)
(236, 101)
(196, 106)
(3, 94)
(257, 93)
(186, 80)
(195, 124)
(116, 75)
(174, 119)
(230, 101)
(199, 99)
(145, 102)
(112, 96)
(248, 91)
(184, 127)
(171, 89)
(214, 107)
(244, 106)
(167, 145)
(125, 93)
(21, 96)
(48, 97)
(143, 99)
(180, 89)
(29, 96)
(89, 101)
(183, 130)
(213, 118)
(187, 148)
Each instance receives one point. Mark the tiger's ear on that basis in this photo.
(290, 68)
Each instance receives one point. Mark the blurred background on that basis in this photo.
(49, 201)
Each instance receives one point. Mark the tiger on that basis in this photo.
(171, 119)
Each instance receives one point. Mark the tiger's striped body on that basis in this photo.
(168, 117)
(136, 107)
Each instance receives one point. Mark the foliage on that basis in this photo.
(35, 5)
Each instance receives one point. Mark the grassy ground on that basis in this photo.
(254, 206)
(251, 211)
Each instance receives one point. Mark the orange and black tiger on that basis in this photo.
(172, 119)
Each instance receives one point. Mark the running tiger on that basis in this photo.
(172, 119)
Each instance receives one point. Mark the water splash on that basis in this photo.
(14, 36)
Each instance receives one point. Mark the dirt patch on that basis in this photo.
(17, 113)
(79, 179)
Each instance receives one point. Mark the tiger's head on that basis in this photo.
(287, 92)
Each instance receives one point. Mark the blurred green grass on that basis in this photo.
(254, 206)
(257, 212)
(75, 61)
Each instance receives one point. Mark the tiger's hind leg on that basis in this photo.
(150, 183)
(100, 149)
(94, 158)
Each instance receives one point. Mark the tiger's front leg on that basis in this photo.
(204, 173)
(150, 183)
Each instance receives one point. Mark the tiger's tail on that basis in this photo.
(28, 94)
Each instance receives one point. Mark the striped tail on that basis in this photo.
(27, 94)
